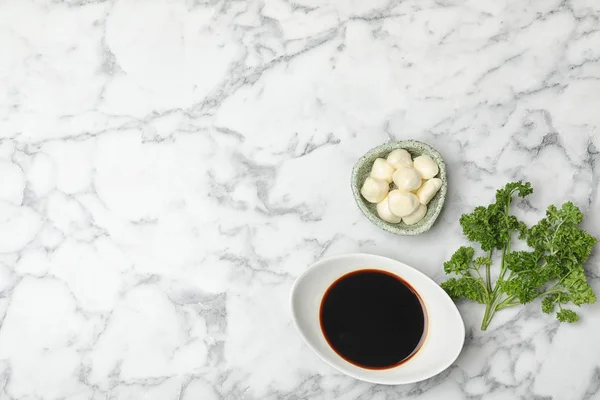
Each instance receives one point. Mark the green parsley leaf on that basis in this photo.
(567, 316)
(491, 225)
(468, 287)
(460, 261)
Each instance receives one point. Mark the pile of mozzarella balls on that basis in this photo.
(415, 186)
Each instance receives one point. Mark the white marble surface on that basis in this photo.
(168, 168)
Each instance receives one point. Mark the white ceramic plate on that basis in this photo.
(445, 328)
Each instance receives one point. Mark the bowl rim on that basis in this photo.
(393, 228)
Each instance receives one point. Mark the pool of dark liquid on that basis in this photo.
(373, 319)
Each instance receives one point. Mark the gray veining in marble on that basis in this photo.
(168, 168)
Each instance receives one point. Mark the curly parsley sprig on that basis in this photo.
(551, 270)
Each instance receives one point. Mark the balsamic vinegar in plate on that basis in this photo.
(441, 337)
(373, 319)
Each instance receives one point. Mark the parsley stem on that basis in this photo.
(490, 309)
(488, 278)
(487, 316)
(514, 303)
(508, 302)
(502, 272)
(506, 248)
(554, 288)
(495, 304)
(550, 291)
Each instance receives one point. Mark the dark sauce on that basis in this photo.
(373, 319)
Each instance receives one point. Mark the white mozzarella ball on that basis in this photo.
(428, 190)
(426, 166)
(416, 216)
(374, 190)
(402, 203)
(382, 170)
(383, 210)
(399, 158)
(407, 179)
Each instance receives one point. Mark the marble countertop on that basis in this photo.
(168, 168)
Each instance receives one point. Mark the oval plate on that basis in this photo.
(445, 332)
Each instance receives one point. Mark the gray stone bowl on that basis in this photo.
(362, 169)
